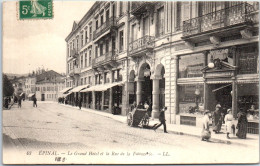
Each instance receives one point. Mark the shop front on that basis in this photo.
(228, 77)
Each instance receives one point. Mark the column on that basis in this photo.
(156, 92)
(234, 98)
(205, 95)
(93, 99)
(139, 90)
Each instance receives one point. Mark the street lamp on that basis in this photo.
(197, 94)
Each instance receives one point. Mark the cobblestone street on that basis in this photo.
(54, 127)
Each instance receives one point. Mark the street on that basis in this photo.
(85, 137)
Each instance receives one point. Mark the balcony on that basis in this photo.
(137, 8)
(73, 72)
(232, 19)
(109, 24)
(141, 46)
(74, 53)
(107, 60)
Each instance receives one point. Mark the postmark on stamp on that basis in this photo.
(35, 9)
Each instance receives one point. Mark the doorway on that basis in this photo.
(220, 94)
(43, 97)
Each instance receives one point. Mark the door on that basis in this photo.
(43, 97)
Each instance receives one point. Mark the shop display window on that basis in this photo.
(248, 60)
(248, 99)
(191, 98)
(191, 65)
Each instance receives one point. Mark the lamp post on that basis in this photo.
(197, 94)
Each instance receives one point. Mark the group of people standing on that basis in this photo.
(218, 117)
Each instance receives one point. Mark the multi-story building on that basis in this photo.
(48, 85)
(188, 56)
(30, 86)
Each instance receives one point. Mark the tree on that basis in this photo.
(8, 88)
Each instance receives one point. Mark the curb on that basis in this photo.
(105, 114)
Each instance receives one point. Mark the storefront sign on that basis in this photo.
(219, 74)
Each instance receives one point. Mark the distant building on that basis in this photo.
(48, 85)
(30, 86)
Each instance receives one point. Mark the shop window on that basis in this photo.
(191, 98)
(223, 54)
(106, 99)
(191, 65)
(248, 60)
(248, 99)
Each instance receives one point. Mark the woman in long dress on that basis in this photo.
(37, 8)
(242, 125)
(229, 122)
(217, 120)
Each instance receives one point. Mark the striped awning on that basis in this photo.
(31, 94)
(102, 87)
(79, 88)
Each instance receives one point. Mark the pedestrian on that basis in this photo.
(140, 105)
(19, 103)
(80, 102)
(34, 102)
(205, 134)
(242, 124)
(217, 119)
(133, 106)
(229, 122)
(146, 106)
(162, 120)
(6, 102)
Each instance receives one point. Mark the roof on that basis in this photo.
(49, 76)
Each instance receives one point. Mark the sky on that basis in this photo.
(30, 44)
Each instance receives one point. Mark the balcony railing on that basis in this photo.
(140, 44)
(74, 53)
(75, 71)
(238, 14)
(105, 58)
(139, 7)
(111, 22)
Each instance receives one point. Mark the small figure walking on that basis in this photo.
(162, 120)
(217, 119)
(242, 124)
(80, 102)
(205, 134)
(34, 102)
(19, 102)
(229, 122)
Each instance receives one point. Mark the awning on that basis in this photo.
(31, 94)
(65, 95)
(65, 90)
(102, 87)
(79, 88)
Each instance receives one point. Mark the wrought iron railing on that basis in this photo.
(222, 18)
(106, 57)
(104, 27)
(135, 5)
(141, 43)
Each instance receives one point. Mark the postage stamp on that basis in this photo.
(35, 9)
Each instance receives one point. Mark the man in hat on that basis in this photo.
(162, 120)
(205, 134)
(217, 119)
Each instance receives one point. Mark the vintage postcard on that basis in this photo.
(130, 82)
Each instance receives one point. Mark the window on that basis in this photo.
(248, 60)
(99, 79)
(121, 41)
(134, 32)
(191, 65)
(189, 100)
(145, 26)
(107, 46)
(117, 75)
(81, 81)
(101, 19)
(89, 80)
(101, 49)
(107, 15)
(86, 59)
(82, 39)
(178, 16)
(96, 51)
(160, 22)
(89, 56)
(97, 24)
(86, 36)
(120, 8)
(85, 80)
(90, 33)
(81, 61)
(77, 43)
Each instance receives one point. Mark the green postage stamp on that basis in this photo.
(35, 9)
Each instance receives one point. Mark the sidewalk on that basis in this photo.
(251, 140)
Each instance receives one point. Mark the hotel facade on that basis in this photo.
(188, 56)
